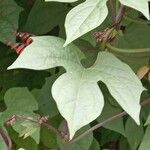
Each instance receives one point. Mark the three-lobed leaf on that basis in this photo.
(76, 92)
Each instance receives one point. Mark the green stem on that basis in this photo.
(66, 146)
(120, 50)
(117, 6)
(112, 10)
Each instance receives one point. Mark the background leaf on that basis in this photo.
(9, 16)
(44, 17)
(134, 134)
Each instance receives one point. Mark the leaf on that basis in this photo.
(47, 105)
(94, 145)
(49, 138)
(16, 99)
(66, 1)
(76, 92)
(9, 16)
(134, 134)
(47, 13)
(82, 144)
(48, 52)
(28, 143)
(140, 5)
(123, 144)
(28, 128)
(84, 18)
(120, 80)
(19, 101)
(109, 111)
(145, 145)
(78, 99)
(148, 121)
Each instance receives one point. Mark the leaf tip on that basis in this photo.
(65, 44)
(9, 68)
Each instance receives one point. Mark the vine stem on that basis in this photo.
(6, 139)
(66, 146)
(120, 50)
(120, 15)
(112, 10)
(104, 123)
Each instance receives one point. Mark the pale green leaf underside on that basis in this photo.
(76, 92)
(47, 52)
(84, 17)
(140, 5)
(79, 101)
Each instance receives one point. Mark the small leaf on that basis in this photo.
(28, 128)
(84, 18)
